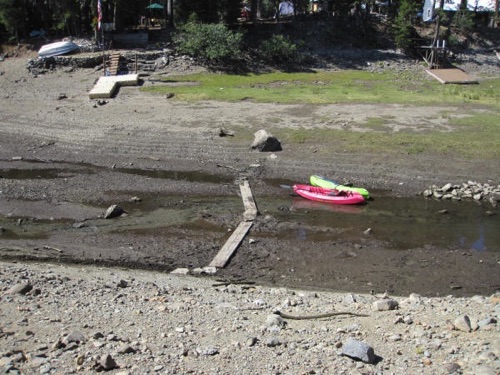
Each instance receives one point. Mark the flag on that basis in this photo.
(99, 14)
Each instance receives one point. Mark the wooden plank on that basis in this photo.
(248, 201)
(231, 245)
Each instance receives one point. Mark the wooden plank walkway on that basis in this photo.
(232, 244)
(248, 201)
(106, 86)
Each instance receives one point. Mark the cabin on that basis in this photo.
(476, 6)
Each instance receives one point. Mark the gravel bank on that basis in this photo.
(62, 319)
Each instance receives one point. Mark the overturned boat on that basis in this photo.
(57, 48)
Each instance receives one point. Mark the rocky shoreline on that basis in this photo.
(65, 319)
(471, 190)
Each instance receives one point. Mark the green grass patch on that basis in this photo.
(350, 86)
(477, 136)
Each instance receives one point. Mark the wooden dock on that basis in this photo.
(106, 87)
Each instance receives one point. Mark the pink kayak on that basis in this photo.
(320, 194)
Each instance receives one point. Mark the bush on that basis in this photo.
(213, 43)
(278, 49)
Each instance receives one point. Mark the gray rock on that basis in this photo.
(126, 349)
(122, 284)
(462, 323)
(274, 320)
(114, 211)
(485, 322)
(385, 304)
(108, 363)
(265, 142)
(273, 342)
(359, 350)
(251, 341)
(446, 187)
(21, 288)
(75, 336)
(452, 368)
(210, 351)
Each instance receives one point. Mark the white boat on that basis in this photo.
(57, 48)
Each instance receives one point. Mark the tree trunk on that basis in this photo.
(170, 12)
(254, 4)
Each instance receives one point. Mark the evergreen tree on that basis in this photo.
(404, 31)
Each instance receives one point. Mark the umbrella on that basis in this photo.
(154, 6)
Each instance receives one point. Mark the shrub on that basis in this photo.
(213, 43)
(278, 49)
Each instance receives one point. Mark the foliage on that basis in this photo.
(213, 43)
(463, 21)
(403, 29)
(12, 15)
(278, 49)
(204, 10)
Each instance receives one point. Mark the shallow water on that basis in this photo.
(400, 222)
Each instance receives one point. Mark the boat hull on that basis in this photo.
(57, 48)
(319, 194)
(323, 182)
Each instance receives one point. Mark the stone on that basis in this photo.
(462, 323)
(274, 320)
(446, 187)
(273, 342)
(108, 363)
(359, 350)
(452, 368)
(126, 349)
(180, 271)
(75, 336)
(122, 284)
(265, 142)
(485, 322)
(21, 288)
(385, 304)
(114, 211)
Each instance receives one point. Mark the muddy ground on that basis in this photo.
(64, 159)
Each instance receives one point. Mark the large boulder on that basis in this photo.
(265, 142)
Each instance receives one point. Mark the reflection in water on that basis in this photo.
(405, 223)
(479, 244)
(304, 204)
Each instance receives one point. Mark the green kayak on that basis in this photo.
(320, 181)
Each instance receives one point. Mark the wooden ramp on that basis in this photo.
(451, 76)
(106, 86)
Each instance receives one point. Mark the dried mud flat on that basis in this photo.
(49, 125)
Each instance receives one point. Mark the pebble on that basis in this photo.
(90, 319)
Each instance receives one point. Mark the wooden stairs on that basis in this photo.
(114, 63)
